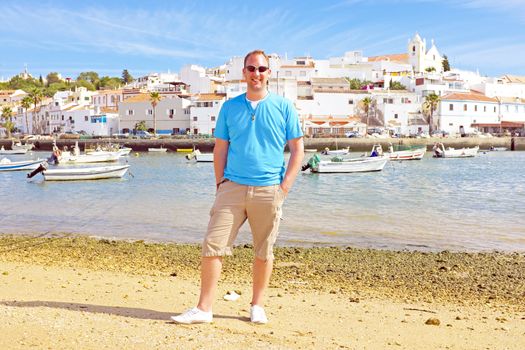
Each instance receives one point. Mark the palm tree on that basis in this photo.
(36, 96)
(430, 104)
(26, 103)
(7, 113)
(366, 103)
(154, 99)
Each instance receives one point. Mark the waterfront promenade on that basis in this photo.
(355, 144)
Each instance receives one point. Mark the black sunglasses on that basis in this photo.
(261, 69)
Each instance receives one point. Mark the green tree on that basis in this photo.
(52, 78)
(396, 85)
(141, 126)
(430, 69)
(429, 106)
(154, 98)
(109, 83)
(90, 76)
(53, 88)
(7, 114)
(357, 84)
(87, 84)
(26, 103)
(446, 64)
(126, 77)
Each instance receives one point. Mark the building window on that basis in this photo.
(130, 112)
(195, 119)
(475, 108)
(451, 107)
(465, 107)
(494, 109)
(149, 111)
(484, 108)
(388, 100)
(350, 102)
(516, 108)
(395, 116)
(212, 118)
(86, 118)
(171, 113)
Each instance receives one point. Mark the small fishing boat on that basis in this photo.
(158, 150)
(441, 152)
(75, 174)
(18, 145)
(13, 151)
(187, 150)
(416, 153)
(8, 165)
(200, 157)
(336, 152)
(345, 165)
(497, 149)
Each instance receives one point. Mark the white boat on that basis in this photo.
(160, 149)
(18, 145)
(336, 152)
(441, 152)
(345, 165)
(67, 157)
(310, 150)
(200, 157)
(407, 154)
(91, 173)
(500, 149)
(13, 151)
(8, 165)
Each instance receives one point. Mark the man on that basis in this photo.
(251, 133)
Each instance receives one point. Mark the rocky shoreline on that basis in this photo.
(484, 279)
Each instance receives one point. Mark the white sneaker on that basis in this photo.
(193, 316)
(257, 315)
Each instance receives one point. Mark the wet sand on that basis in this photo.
(63, 292)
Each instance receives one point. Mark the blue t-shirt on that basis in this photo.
(257, 138)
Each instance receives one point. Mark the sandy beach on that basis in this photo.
(62, 292)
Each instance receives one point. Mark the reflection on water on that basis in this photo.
(433, 204)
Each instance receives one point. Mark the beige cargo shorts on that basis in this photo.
(234, 204)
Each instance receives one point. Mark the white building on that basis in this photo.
(197, 79)
(506, 86)
(460, 113)
(204, 112)
(172, 114)
(420, 58)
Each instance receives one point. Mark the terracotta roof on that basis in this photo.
(138, 98)
(514, 79)
(468, 96)
(399, 57)
(209, 97)
(511, 99)
(108, 110)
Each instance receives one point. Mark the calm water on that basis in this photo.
(434, 204)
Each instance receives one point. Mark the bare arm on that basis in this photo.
(220, 155)
(296, 147)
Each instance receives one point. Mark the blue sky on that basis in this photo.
(107, 36)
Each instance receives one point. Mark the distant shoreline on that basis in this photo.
(355, 144)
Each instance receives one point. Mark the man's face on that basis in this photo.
(256, 80)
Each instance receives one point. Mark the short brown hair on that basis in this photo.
(257, 52)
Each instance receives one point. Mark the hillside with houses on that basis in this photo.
(411, 93)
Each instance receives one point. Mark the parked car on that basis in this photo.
(352, 134)
(143, 134)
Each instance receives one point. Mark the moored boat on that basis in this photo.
(441, 152)
(87, 173)
(8, 165)
(13, 151)
(200, 157)
(158, 150)
(345, 165)
(402, 154)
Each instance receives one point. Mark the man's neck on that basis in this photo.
(256, 95)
